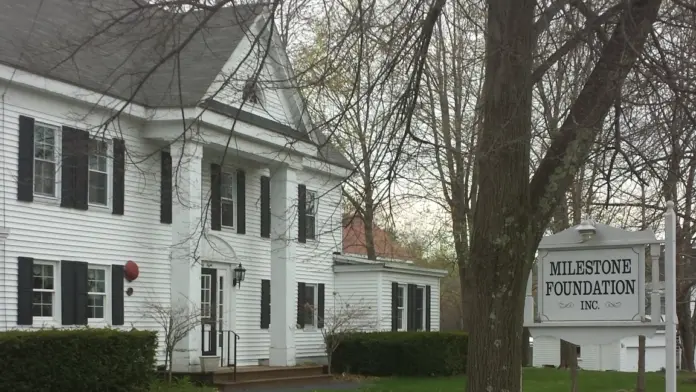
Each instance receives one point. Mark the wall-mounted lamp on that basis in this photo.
(586, 230)
(239, 274)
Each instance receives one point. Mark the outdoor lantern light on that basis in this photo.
(239, 273)
(586, 230)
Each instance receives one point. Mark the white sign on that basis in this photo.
(590, 285)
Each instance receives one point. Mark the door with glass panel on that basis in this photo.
(209, 311)
(223, 316)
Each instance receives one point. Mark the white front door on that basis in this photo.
(224, 316)
(217, 312)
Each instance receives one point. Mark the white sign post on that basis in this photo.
(591, 287)
(670, 299)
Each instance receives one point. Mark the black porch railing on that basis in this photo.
(222, 343)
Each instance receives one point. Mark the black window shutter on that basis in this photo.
(25, 164)
(302, 213)
(265, 303)
(320, 311)
(24, 290)
(265, 207)
(241, 202)
(81, 293)
(395, 306)
(117, 306)
(119, 180)
(68, 168)
(73, 280)
(427, 308)
(166, 188)
(300, 304)
(411, 324)
(67, 291)
(215, 195)
(82, 171)
(75, 168)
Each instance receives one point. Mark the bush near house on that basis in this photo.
(77, 360)
(401, 353)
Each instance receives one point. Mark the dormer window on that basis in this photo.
(251, 92)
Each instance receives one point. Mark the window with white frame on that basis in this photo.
(227, 195)
(311, 215)
(43, 287)
(420, 308)
(96, 293)
(311, 305)
(401, 308)
(98, 172)
(45, 159)
(206, 295)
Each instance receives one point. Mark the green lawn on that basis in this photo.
(535, 380)
(539, 380)
(178, 386)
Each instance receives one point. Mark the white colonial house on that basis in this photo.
(185, 150)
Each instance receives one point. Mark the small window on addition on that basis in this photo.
(251, 92)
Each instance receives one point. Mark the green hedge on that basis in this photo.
(102, 360)
(401, 353)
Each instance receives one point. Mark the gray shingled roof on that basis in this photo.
(120, 48)
(56, 39)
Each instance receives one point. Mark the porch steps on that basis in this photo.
(251, 378)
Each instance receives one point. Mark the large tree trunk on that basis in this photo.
(640, 382)
(569, 355)
(501, 249)
(526, 357)
(461, 247)
(512, 213)
(466, 297)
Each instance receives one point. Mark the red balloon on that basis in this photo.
(131, 271)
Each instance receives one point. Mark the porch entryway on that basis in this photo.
(217, 314)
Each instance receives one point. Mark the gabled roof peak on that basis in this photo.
(122, 48)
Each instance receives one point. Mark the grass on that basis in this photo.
(183, 385)
(539, 380)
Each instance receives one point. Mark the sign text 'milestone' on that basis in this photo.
(590, 285)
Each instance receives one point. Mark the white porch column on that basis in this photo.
(186, 229)
(283, 285)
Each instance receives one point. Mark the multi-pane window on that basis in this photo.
(227, 199)
(420, 308)
(311, 214)
(310, 305)
(98, 172)
(43, 290)
(206, 295)
(45, 157)
(401, 308)
(96, 293)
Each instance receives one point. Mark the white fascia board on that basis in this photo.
(354, 264)
(16, 76)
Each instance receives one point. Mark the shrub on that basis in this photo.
(77, 360)
(401, 353)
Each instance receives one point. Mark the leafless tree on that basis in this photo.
(175, 322)
(346, 317)
(512, 212)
